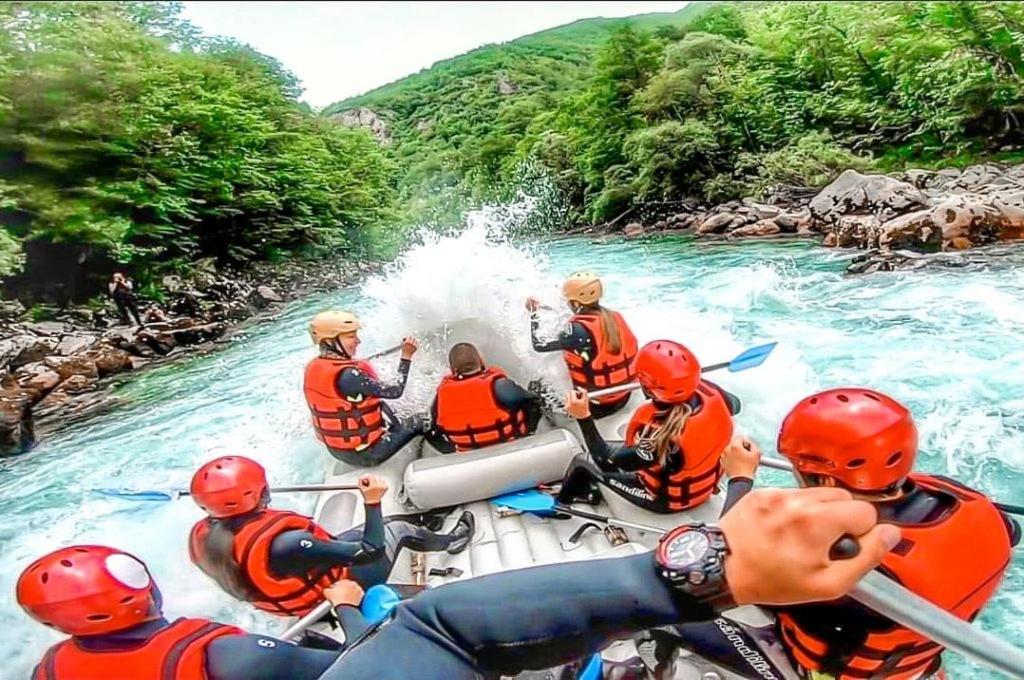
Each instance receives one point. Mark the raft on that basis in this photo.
(423, 480)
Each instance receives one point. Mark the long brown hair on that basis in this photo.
(609, 327)
(664, 437)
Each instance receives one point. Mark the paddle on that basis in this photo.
(751, 358)
(175, 494)
(780, 464)
(384, 352)
(874, 590)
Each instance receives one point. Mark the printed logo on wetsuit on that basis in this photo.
(645, 449)
(631, 490)
(269, 644)
(305, 543)
(758, 663)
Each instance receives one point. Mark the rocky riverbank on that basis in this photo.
(54, 371)
(896, 219)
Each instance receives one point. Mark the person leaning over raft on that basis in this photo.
(772, 548)
(345, 396)
(478, 405)
(671, 459)
(280, 561)
(598, 346)
(956, 544)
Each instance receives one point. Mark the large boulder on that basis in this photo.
(47, 327)
(110, 360)
(716, 223)
(264, 296)
(798, 222)
(24, 349)
(17, 431)
(36, 379)
(73, 343)
(66, 367)
(855, 194)
(633, 230)
(914, 231)
(762, 228)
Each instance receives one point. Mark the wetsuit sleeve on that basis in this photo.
(574, 337)
(352, 382)
(258, 657)
(626, 458)
(297, 552)
(352, 621)
(512, 396)
(738, 488)
(730, 399)
(548, 616)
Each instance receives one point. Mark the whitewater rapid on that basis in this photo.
(946, 342)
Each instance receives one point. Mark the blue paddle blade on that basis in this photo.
(531, 500)
(592, 671)
(136, 495)
(378, 602)
(754, 356)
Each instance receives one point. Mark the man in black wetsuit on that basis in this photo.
(345, 398)
(499, 624)
(281, 561)
(478, 405)
(123, 293)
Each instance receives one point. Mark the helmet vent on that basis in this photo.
(843, 398)
(247, 493)
(814, 400)
(81, 550)
(894, 459)
(231, 504)
(872, 395)
(855, 463)
(45, 576)
(66, 563)
(219, 466)
(126, 600)
(98, 617)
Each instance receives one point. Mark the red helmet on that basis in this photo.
(863, 439)
(88, 590)
(228, 486)
(667, 371)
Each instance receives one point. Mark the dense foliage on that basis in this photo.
(719, 100)
(126, 138)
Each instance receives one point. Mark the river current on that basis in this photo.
(947, 342)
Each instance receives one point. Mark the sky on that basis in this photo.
(340, 49)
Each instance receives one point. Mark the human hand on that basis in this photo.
(779, 543)
(409, 347)
(741, 457)
(344, 592)
(577, 403)
(373, 488)
(532, 304)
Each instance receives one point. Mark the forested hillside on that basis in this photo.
(719, 100)
(128, 141)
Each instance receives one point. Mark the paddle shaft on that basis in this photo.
(384, 352)
(780, 464)
(300, 487)
(893, 601)
(319, 612)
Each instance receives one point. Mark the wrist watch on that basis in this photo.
(691, 558)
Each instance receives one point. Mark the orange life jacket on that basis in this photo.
(344, 424)
(250, 554)
(604, 369)
(177, 652)
(955, 563)
(469, 415)
(701, 443)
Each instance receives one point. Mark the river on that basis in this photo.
(945, 342)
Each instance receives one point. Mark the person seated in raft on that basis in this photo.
(598, 346)
(280, 561)
(956, 545)
(670, 460)
(478, 405)
(108, 603)
(345, 397)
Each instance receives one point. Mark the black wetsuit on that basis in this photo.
(616, 465)
(510, 396)
(844, 624)
(527, 619)
(352, 383)
(124, 298)
(369, 551)
(575, 338)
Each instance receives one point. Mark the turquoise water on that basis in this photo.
(947, 343)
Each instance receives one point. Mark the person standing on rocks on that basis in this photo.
(121, 290)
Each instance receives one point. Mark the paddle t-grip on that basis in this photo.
(845, 548)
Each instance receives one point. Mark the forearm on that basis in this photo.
(737, 489)
(352, 622)
(541, 617)
(373, 530)
(538, 344)
(258, 657)
(398, 389)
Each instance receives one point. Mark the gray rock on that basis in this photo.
(37, 378)
(715, 223)
(268, 294)
(364, 117)
(74, 343)
(47, 327)
(506, 86)
(633, 229)
(10, 309)
(877, 195)
(25, 349)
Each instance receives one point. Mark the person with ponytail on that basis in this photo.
(671, 459)
(598, 346)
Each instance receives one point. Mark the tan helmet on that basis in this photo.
(329, 325)
(583, 287)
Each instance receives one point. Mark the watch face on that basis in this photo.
(686, 549)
